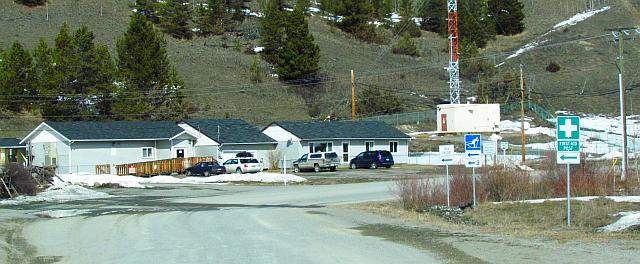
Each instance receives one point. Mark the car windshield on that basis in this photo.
(244, 161)
(331, 155)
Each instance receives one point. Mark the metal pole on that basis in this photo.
(284, 165)
(623, 115)
(448, 190)
(568, 195)
(522, 114)
(474, 187)
(504, 158)
(353, 95)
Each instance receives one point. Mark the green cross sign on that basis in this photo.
(568, 127)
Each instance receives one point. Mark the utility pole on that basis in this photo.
(454, 60)
(618, 36)
(353, 95)
(523, 139)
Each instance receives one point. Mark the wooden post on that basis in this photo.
(6, 187)
(353, 95)
(522, 115)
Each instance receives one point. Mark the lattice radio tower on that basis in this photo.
(454, 62)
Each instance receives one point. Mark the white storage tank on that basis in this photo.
(468, 118)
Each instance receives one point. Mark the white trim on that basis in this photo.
(38, 128)
(182, 133)
(320, 142)
(397, 146)
(153, 152)
(174, 153)
(348, 151)
(198, 137)
(373, 145)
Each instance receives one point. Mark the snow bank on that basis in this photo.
(58, 193)
(627, 221)
(139, 182)
(618, 199)
(62, 213)
(580, 17)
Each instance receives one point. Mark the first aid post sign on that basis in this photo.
(568, 142)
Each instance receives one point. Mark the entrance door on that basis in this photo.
(443, 121)
(179, 153)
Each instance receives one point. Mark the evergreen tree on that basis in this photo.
(434, 16)
(299, 55)
(213, 19)
(303, 5)
(31, 2)
(375, 101)
(508, 16)
(406, 46)
(176, 15)
(236, 7)
(147, 8)
(474, 22)
(16, 78)
(272, 30)
(355, 20)
(44, 70)
(151, 88)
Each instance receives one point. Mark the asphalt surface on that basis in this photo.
(217, 224)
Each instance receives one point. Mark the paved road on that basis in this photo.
(219, 224)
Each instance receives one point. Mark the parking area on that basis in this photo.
(346, 175)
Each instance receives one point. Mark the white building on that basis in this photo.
(346, 138)
(468, 118)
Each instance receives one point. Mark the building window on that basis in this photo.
(147, 153)
(393, 146)
(320, 147)
(368, 145)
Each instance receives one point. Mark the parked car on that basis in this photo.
(317, 162)
(205, 168)
(244, 154)
(242, 165)
(372, 159)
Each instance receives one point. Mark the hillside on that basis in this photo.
(217, 78)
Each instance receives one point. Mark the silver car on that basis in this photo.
(242, 165)
(317, 162)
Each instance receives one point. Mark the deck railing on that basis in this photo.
(103, 169)
(159, 167)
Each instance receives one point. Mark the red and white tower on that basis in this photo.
(454, 62)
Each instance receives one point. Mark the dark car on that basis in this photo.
(372, 159)
(205, 168)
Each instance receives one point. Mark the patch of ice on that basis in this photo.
(62, 213)
(626, 221)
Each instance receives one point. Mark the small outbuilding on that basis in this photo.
(468, 118)
(74, 147)
(346, 138)
(12, 151)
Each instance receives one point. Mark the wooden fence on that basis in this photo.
(158, 167)
(103, 169)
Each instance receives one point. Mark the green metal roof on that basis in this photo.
(342, 130)
(231, 131)
(10, 143)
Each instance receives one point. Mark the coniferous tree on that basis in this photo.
(355, 20)
(31, 2)
(176, 15)
(147, 8)
(474, 22)
(299, 55)
(213, 19)
(375, 101)
(272, 30)
(236, 7)
(150, 87)
(434, 16)
(44, 71)
(508, 16)
(406, 46)
(303, 5)
(16, 78)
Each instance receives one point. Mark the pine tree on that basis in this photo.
(434, 16)
(213, 19)
(355, 20)
(176, 15)
(236, 7)
(375, 101)
(150, 87)
(44, 69)
(147, 8)
(16, 78)
(303, 5)
(406, 46)
(508, 16)
(272, 30)
(31, 2)
(474, 22)
(299, 55)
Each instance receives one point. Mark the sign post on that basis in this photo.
(446, 157)
(472, 152)
(489, 148)
(284, 165)
(568, 150)
(504, 146)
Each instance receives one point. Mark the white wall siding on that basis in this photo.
(279, 134)
(202, 139)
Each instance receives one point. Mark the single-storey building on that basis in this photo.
(12, 151)
(346, 138)
(224, 138)
(79, 146)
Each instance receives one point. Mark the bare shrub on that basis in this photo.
(416, 192)
(21, 179)
(506, 184)
(274, 159)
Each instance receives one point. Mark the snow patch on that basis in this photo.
(62, 213)
(258, 49)
(617, 199)
(627, 221)
(58, 193)
(580, 17)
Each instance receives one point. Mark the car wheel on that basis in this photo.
(206, 173)
(316, 168)
(188, 173)
(296, 169)
(389, 167)
(239, 171)
(374, 165)
(353, 166)
(332, 169)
